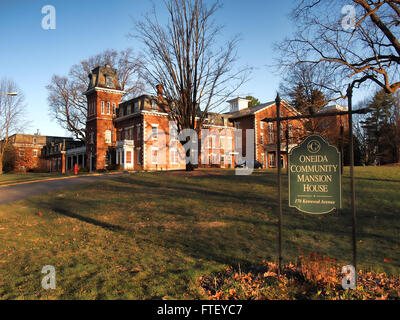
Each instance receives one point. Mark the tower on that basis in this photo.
(103, 97)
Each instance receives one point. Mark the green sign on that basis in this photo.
(315, 184)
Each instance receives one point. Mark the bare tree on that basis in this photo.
(68, 105)
(367, 50)
(183, 56)
(300, 87)
(12, 112)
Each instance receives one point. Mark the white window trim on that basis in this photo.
(106, 136)
(152, 135)
(172, 159)
(152, 155)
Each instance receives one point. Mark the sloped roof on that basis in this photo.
(333, 108)
(249, 111)
(255, 109)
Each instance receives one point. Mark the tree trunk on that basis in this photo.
(189, 167)
(1, 163)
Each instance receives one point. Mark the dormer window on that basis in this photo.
(109, 82)
(153, 105)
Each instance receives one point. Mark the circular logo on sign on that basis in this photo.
(314, 146)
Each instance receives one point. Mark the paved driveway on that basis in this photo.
(26, 190)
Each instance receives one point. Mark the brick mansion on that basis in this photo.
(139, 135)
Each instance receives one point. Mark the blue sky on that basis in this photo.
(31, 55)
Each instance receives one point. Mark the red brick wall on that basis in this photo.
(24, 157)
(99, 123)
(254, 122)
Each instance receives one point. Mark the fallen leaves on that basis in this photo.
(297, 282)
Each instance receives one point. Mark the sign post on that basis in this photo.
(315, 184)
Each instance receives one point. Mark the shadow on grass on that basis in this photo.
(61, 207)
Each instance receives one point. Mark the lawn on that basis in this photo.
(152, 235)
(9, 178)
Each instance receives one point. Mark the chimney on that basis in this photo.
(160, 90)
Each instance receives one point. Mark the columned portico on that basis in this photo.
(125, 154)
(75, 156)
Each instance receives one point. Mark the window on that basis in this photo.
(238, 143)
(129, 109)
(212, 158)
(229, 145)
(211, 142)
(108, 108)
(237, 125)
(35, 153)
(194, 154)
(131, 134)
(271, 160)
(154, 155)
(174, 156)
(109, 82)
(262, 138)
(102, 107)
(138, 131)
(154, 132)
(34, 140)
(108, 136)
(114, 108)
(222, 142)
(271, 132)
(136, 106)
(21, 152)
(261, 125)
(290, 131)
(91, 137)
(153, 105)
(138, 155)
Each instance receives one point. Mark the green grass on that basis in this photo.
(152, 235)
(8, 178)
(13, 178)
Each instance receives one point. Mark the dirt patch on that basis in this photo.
(214, 224)
(196, 173)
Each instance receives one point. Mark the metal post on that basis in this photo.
(287, 150)
(352, 186)
(342, 147)
(278, 146)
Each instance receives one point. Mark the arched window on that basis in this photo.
(108, 136)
